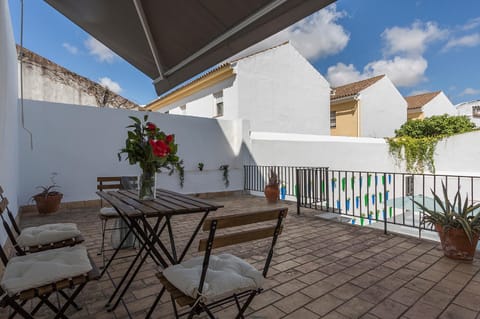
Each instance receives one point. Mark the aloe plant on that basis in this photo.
(459, 215)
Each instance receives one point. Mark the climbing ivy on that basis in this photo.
(417, 153)
(415, 140)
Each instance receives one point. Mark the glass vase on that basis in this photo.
(147, 182)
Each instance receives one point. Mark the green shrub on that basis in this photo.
(415, 140)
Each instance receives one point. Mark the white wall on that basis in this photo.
(466, 109)
(201, 104)
(9, 168)
(81, 143)
(280, 91)
(382, 109)
(456, 155)
(459, 154)
(335, 152)
(439, 105)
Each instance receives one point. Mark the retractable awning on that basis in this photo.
(172, 41)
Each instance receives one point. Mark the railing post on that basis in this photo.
(327, 189)
(384, 204)
(297, 190)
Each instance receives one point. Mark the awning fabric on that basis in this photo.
(172, 41)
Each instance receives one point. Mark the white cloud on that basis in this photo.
(403, 63)
(471, 24)
(412, 40)
(470, 91)
(110, 84)
(403, 72)
(97, 49)
(318, 35)
(341, 74)
(70, 48)
(470, 40)
(418, 92)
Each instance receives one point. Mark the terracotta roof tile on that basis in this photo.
(418, 101)
(353, 88)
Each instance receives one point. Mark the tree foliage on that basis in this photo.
(415, 140)
(436, 126)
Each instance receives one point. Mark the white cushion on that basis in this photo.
(46, 234)
(226, 275)
(46, 267)
(108, 212)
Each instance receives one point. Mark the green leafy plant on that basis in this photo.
(273, 179)
(225, 179)
(151, 148)
(459, 215)
(415, 140)
(48, 190)
(200, 166)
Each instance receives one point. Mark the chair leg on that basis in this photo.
(175, 311)
(19, 309)
(209, 313)
(69, 301)
(154, 305)
(65, 295)
(245, 305)
(102, 246)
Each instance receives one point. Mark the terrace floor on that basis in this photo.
(321, 269)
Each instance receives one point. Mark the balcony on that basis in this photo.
(321, 269)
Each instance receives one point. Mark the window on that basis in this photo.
(476, 111)
(333, 119)
(218, 107)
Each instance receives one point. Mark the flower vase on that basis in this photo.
(147, 184)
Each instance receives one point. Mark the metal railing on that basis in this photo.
(256, 177)
(377, 199)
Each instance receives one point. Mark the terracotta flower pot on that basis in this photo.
(455, 243)
(272, 193)
(48, 204)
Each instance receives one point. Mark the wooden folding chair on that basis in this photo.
(16, 235)
(16, 290)
(108, 213)
(199, 300)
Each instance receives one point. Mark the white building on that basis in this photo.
(428, 104)
(277, 90)
(471, 109)
(44, 80)
(368, 108)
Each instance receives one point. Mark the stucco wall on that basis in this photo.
(81, 143)
(439, 105)
(344, 153)
(280, 91)
(346, 119)
(9, 117)
(382, 109)
(459, 154)
(201, 103)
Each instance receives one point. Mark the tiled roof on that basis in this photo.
(353, 88)
(417, 101)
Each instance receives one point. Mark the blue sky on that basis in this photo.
(423, 45)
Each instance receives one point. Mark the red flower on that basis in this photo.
(169, 138)
(151, 126)
(160, 148)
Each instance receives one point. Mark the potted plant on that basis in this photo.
(457, 223)
(272, 191)
(48, 200)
